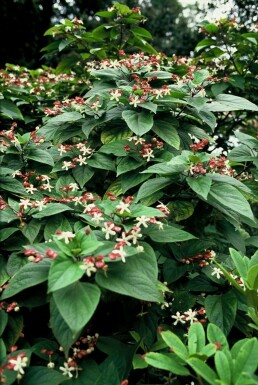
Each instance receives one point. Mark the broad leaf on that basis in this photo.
(29, 275)
(175, 343)
(166, 361)
(77, 304)
(138, 122)
(136, 278)
(152, 186)
(167, 131)
(52, 209)
(227, 102)
(201, 185)
(41, 375)
(221, 310)
(63, 272)
(196, 338)
(168, 234)
(40, 156)
(203, 370)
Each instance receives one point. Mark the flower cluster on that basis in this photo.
(144, 149)
(202, 259)
(190, 316)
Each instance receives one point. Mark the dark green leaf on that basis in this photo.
(80, 299)
(221, 310)
(52, 209)
(63, 272)
(167, 131)
(201, 185)
(138, 122)
(168, 234)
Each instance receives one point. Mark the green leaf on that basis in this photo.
(196, 338)
(252, 278)
(141, 32)
(167, 131)
(132, 179)
(58, 222)
(151, 186)
(60, 329)
(203, 370)
(3, 321)
(223, 367)
(200, 76)
(82, 175)
(41, 375)
(52, 209)
(31, 230)
(211, 28)
(10, 110)
(246, 360)
(227, 102)
(229, 197)
(180, 210)
(168, 234)
(80, 299)
(201, 185)
(166, 362)
(139, 362)
(101, 161)
(136, 278)
(40, 156)
(221, 310)
(29, 275)
(110, 135)
(175, 343)
(138, 122)
(12, 185)
(7, 232)
(215, 334)
(13, 330)
(241, 262)
(173, 270)
(128, 164)
(63, 272)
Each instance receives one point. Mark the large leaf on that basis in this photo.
(223, 367)
(167, 131)
(221, 310)
(136, 278)
(40, 156)
(166, 361)
(60, 329)
(201, 185)
(168, 234)
(10, 110)
(196, 338)
(230, 198)
(203, 370)
(246, 360)
(175, 343)
(29, 275)
(52, 209)
(41, 375)
(31, 230)
(77, 304)
(138, 122)
(151, 186)
(63, 272)
(227, 102)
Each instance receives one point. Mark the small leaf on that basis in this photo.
(196, 338)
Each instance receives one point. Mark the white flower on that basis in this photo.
(143, 220)
(74, 186)
(123, 207)
(115, 94)
(125, 238)
(190, 315)
(66, 165)
(40, 205)
(66, 369)
(81, 160)
(30, 189)
(217, 271)
(25, 203)
(148, 154)
(66, 235)
(135, 234)
(19, 363)
(178, 318)
(89, 267)
(108, 229)
(134, 100)
(61, 149)
(97, 217)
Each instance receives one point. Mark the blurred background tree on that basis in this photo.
(23, 23)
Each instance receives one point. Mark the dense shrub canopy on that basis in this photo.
(128, 209)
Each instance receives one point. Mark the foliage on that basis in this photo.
(124, 232)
